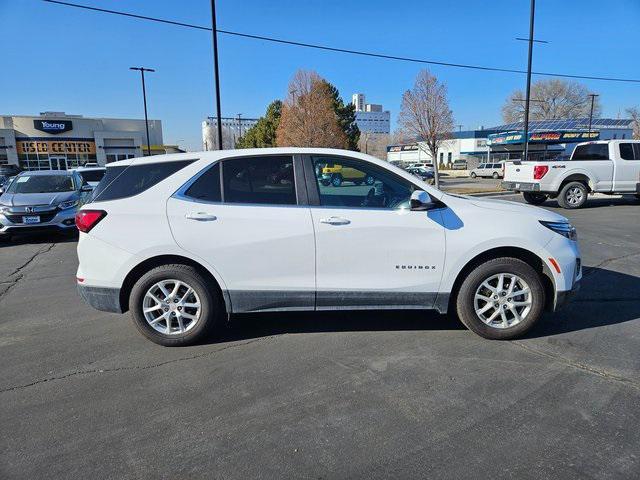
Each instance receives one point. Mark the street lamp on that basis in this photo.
(144, 98)
(593, 97)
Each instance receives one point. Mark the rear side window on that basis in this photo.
(127, 181)
(591, 151)
(207, 186)
(627, 151)
(260, 180)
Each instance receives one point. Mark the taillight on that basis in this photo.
(540, 171)
(87, 219)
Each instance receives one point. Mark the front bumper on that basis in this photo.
(61, 220)
(521, 186)
(101, 298)
(563, 298)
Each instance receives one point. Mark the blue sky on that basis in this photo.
(58, 58)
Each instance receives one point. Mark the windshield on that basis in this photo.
(41, 184)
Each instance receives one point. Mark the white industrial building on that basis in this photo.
(370, 117)
(232, 129)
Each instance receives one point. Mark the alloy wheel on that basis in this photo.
(503, 300)
(574, 196)
(171, 307)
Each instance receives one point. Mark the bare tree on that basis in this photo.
(308, 118)
(634, 113)
(552, 99)
(425, 115)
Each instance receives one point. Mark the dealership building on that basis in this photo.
(55, 140)
(547, 139)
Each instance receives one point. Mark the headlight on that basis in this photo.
(563, 228)
(4, 208)
(68, 204)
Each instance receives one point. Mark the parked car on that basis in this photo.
(334, 174)
(41, 200)
(422, 172)
(428, 166)
(91, 175)
(492, 170)
(459, 165)
(610, 167)
(183, 240)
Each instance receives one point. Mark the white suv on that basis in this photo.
(184, 240)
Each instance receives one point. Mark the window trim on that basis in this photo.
(299, 186)
(635, 151)
(313, 188)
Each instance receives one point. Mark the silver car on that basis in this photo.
(493, 170)
(42, 200)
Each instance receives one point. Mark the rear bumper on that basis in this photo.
(101, 298)
(521, 186)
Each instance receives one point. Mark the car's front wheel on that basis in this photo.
(473, 175)
(535, 198)
(501, 299)
(172, 305)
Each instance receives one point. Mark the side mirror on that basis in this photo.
(420, 201)
(86, 188)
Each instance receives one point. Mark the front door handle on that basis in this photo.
(335, 221)
(201, 216)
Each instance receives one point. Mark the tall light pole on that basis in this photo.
(526, 103)
(144, 98)
(215, 70)
(593, 98)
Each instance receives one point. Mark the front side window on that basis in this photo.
(626, 152)
(41, 184)
(591, 151)
(349, 183)
(259, 180)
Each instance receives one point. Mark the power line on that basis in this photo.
(343, 50)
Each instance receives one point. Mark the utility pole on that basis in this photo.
(144, 99)
(529, 60)
(239, 125)
(593, 98)
(215, 70)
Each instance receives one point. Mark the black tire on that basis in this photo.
(326, 183)
(495, 175)
(211, 305)
(369, 180)
(466, 296)
(535, 198)
(573, 189)
(473, 175)
(5, 238)
(336, 179)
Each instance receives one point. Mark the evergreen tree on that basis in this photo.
(263, 133)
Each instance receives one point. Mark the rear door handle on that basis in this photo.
(201, 216)
(335, 221)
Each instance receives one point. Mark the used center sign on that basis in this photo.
(53, 126)
(56, 147)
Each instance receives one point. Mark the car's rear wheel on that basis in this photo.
(369, 180)
(172, 305)
(534, 198)
(501, 299)
(336, 180)
(573, 195)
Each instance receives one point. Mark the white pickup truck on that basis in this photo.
(610, 167)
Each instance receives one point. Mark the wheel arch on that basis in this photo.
(578, 177)
(520, 253)
(143, 267)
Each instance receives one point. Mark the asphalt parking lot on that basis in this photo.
(332, 395)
